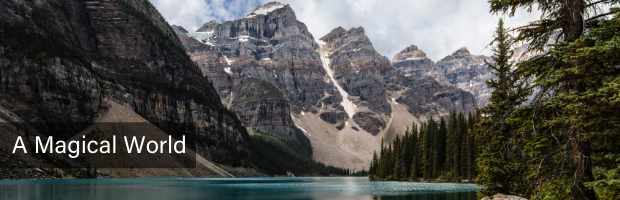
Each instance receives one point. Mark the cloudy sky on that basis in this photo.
(438, 27)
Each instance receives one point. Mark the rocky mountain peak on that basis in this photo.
(410, 48)
(461, 51)
(460, 69)
(334, 34)
(267, 8)
(208, 27)
(412, 52)
(359, 30)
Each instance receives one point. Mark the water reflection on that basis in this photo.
(235, 188)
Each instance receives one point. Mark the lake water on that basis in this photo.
(234, 188)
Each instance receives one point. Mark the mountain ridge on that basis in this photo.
(460, 69)
(345, 97)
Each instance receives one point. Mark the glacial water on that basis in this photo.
(234, 188)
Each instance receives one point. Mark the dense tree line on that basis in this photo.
(443, 150)
(564, 143)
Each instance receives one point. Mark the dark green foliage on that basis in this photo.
(433, 153)
(301, 144)
(360, 173)
(557, 147)
(496, 159)
(414, 149)
(440, 148)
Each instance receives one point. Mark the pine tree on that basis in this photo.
(382, 162)
(407, 154)
(465, 147)
(426, 151)
(440, 146)
(396, 158)
(471, 148)
(415, 161)
(450, 143)
(496, 163)
(373, 165)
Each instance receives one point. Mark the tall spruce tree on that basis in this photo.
(396, 158)
(472, 146)
(462, 149)
(440, 148)
(498, 161)
(426, 151)
(415, 163)
(409, 147)
(450, 143)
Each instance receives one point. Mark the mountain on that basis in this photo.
(270, 46)
(412, 61)
(338, 90)
(60, 60)
(460, 69)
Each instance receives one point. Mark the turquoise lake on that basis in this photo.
(234, 188)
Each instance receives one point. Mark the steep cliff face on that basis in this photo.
(460, 69)
(259, 104)
(357, 68)
(269, 44)
(272, 46)
(60, 59)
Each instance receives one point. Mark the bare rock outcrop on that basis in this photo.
(259, 104)
(504, 197)
(412, 61)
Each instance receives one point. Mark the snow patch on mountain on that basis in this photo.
(265, 9)
(349, 107)
(202, 36)
(227, 60)
(413, 58)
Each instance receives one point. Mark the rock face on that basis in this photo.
(412, 61)
(340, 92)
(357, 67)
(504, 197)
(461, 69)
(374, 84)
(270, 45)
(259, 104)
(60, 59)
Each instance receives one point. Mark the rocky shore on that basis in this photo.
(504, 197)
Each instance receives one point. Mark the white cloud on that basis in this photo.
(191, 14)
(438, 27)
